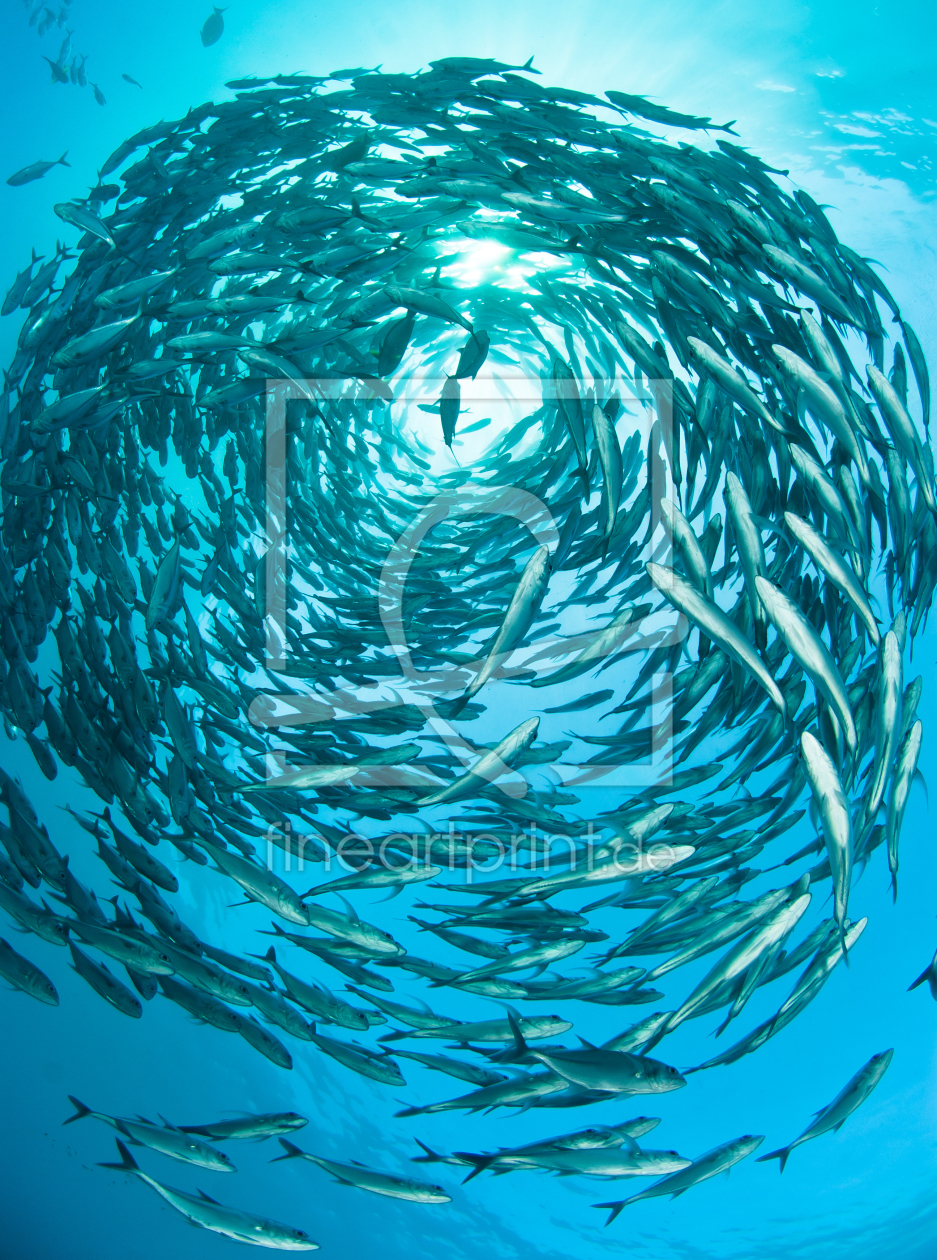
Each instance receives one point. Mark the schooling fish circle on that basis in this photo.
(271, 344)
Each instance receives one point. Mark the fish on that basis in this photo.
(719, 1159)
(392, 1187)
(212, 28)
(259, 884)
(519, 1092)
(129, 79)
(489, 766)
(25, 976)
(837, 824)
(905, 769)
(835, 1114)
(611, 1071)
(586, 1162)
(107, 985)
(451, 1067)
(713, 622)
(35, 171)
(256, 1128)
(810, 652)
(208, 1213)
(165, 1139)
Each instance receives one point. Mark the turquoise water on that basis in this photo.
(843, 97)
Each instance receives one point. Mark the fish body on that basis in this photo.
(208, 1214)
(212, 28)
(35, 171)
(837, 824)
(835, 1114)
(357, 1175)
(25, 976)
(274, 1124)
(718, 1160)
(165, 1139)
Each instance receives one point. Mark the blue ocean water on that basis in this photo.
(845, 98)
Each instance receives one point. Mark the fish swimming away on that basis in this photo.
(835, 1114)
(212, 28)
(689, 500)
(718, 1160)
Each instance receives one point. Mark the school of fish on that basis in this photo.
(688, 324)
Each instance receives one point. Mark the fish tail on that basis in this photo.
(479, 1163)
(615, 1209)
(81, 1110)
(127, 1164)
(430, 1156)
(782, 1154)
(410, 1111)
(61, 161)
(458, 705)
(292, 1151)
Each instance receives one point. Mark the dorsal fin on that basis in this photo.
(349, 908)
(207, 1198)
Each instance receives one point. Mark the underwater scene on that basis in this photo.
(468, 535)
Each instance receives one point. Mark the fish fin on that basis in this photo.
(782, 1154)
(919, 777)
(394, 892)
(925, 975)
(81, 1110)
(292, 1152)
(520, 1045)
(587, 1045)
(431, 1156)
(127, 1164)
(349, 908)
(207, 1198)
